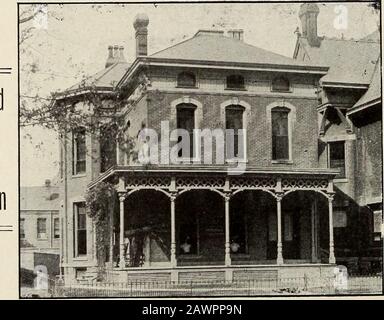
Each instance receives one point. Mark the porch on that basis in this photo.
(197, 224)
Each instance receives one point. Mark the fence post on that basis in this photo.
(305, 282)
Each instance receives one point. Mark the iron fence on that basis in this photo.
(253, 287)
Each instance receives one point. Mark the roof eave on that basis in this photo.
(81, 91)
(140, 61)
(358, 108)
(343, 85)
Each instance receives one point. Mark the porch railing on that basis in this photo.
(255, 287)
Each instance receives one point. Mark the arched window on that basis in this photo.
(186, 80)
(234, 120)
(185, 118)
(235, 81)
(280, 84)
(280, 133)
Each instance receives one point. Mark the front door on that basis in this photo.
(291, 235)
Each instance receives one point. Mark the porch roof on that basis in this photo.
(324, 173)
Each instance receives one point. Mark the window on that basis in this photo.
(41, 228)
(186, 120)
(337, 157)
(280, 84)
(107, 147)
(339, 218)
(56, 228)
(238, 233)
(377, 221)
(189, 235)
(186, 80)
(80, 222)
(280, 133)
(234, 121)
(78, 151)
(288, 226)
(22, 230)
(235, 82)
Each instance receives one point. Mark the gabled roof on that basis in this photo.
(373, 94)
(105, 79)
(39, 198)
(219, 48)
(350, 61)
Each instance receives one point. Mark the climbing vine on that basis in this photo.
(100, 205)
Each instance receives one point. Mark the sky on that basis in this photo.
(75, 40)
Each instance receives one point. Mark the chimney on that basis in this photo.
(110, 60)
(47, 183)
(121, 54)
(237, 34)
(308, 15)
(140, 24)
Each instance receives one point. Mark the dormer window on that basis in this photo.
(186, 80)
(235, 82)
(280, 84)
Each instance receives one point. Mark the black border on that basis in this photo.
(207, 298)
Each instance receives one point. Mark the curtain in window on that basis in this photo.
(81, 229)
(280, 135)
(41, 228)
(186, 121)
(234, 121)
(79, 151)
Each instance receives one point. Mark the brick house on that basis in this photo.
(350, 137)
(40, 229)
(193, 220)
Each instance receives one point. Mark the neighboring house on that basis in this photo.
(201, 221)
(350, 136)
(40, 230)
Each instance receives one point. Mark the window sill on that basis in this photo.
(236, 89)
(282, 162)
(282, 91)
(340, 180)
(80, 175)
(236, 160)
(187, 87)
(42, 239)
(80, 258)
(188, 160)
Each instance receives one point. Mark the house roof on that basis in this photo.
(373, 94)
(39, 198)
(219, 48)
(350, 61)
(105, 79)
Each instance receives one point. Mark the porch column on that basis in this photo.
(173, 232)
(227, 235)
(331, 243)
(314, 231)
(122, 197)
(279, 259)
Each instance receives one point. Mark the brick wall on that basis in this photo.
(304, 131)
